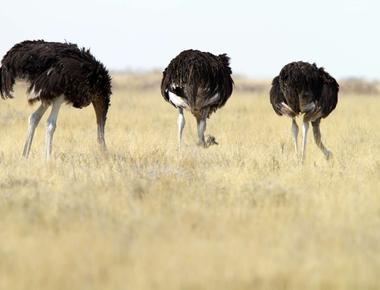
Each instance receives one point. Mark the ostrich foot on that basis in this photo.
(328, 155)
(211, 141)
(202, 144)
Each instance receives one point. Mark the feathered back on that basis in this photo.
(79, 77)
(53, 69)
(29, 59)
(301, 83)
(198, 76)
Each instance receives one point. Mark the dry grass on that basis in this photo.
(241, 215)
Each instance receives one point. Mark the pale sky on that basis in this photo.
(260, 36)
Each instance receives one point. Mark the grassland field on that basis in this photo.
(241, 215)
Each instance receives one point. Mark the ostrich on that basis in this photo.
(199, 82)
(303, 88)
(56, 73)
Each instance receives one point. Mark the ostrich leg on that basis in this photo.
(305, 128)
(318, 141)
(34, 119)
(201, 125)
(51, 125)
(181, 124)
(295, 135)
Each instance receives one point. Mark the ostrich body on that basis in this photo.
(56, 73)
(199, 82)
(303, 88)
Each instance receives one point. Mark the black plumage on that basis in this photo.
(300, 84)
(201, 80)
(303, 88)
(54, 69)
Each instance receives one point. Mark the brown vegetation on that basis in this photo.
(241, 215)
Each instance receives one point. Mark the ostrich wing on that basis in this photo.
(329, 95)
(276, 96)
